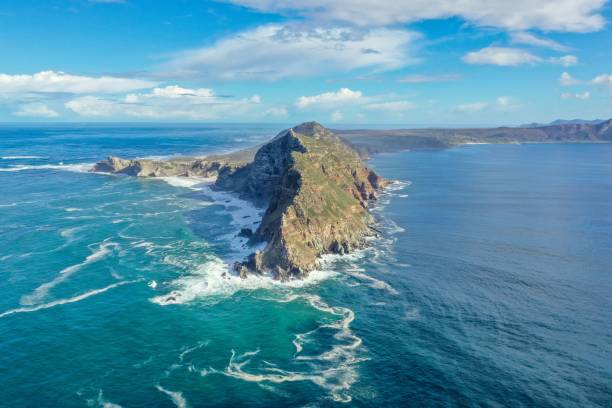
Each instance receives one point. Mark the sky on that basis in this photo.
(406, 62)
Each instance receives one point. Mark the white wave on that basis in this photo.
(397, 185)
(213, 279)
(72, 209)
(101, 402)
(74, 299)
(22, 157)
(359, 273)
(176, 397)
(41, 292)
(8, 205)
(78, 167)
(189, 182)
(69, 232)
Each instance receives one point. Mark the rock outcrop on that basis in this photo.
(207, 167)
(318, 191)
(315, 187)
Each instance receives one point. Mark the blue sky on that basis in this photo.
(481, 62)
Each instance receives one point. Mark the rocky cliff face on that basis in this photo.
(315, 187)
(208, 167)
(318, 191)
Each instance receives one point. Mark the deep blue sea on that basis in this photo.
(491, 285)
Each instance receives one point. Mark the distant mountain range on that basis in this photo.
(565, 122)
(369, 142)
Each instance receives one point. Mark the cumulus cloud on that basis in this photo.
(503, 56)
(276, 51)
(530, 39)
(170, 102)
(342, 96)
(604, 79)
(566, 60)
(560, 15)
(36, 109)
(57, 81)
(421, 79)
(583, 96)
(501, 104)
(566, 79)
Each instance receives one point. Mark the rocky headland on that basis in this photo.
(314, 185)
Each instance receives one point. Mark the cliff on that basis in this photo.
(318, 191)
(315, 187)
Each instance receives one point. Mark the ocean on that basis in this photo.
(490, 284)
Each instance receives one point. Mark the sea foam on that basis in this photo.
(175, 396)
(73, 299)
(42, 291)
(77, 167)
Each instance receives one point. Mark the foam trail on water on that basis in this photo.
(176, 397)
(41, 292)
(333, 370)
(21, 157)
(74, 299)
(78, 167)
(105, 403)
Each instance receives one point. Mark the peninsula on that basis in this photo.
(314, 185)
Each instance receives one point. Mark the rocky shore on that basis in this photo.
(314, 185)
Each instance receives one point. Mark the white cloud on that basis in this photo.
(336, 116)
(421, 79)
(512, 57)
(583, 96)
(604, 79)
(36, 109)
(170, 102)
(57, 81)
(560, 15)
(342, 96)
(275, 51)
(472, 107)
(526, 38)
(393, 106)
(277, 112)
(567, 80)
(566, 60)
(501, 104)
(502, 56)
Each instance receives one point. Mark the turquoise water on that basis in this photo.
(490, 285)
